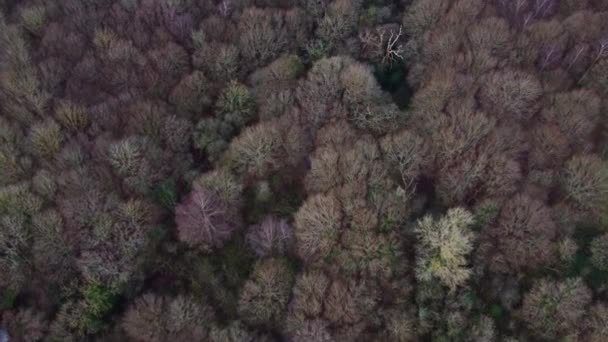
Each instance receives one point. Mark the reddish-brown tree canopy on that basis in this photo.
(202, 221)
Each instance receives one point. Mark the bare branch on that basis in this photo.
(388, 50)
(542, 8)
(551, 56)
(225, 8)
(602, 52)
(528, 18)
(603, 49)
(578, 54)
(519, 5)
(394, 51)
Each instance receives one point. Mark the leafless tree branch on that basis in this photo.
(389, 50)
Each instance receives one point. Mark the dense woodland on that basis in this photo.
(303, 170)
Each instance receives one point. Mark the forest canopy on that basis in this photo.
(303, 170)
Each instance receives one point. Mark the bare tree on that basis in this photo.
(202, 221)
(271, 237)
(384, 47)
(578, 52)
(524, 12)
(550, 57)
(225, 8)
(602, 52)
(553, 308)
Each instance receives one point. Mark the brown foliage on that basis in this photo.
(489, 39)
(553, 308)
(585, 182)
(585, 25)
(317, 227)
(323, 174)
(320, 91)
(52, 250)
(220, 61)
(544, 44)
(112, 254)
(261, 34)
(595, 324)
(339, 22)
(348, 302)
(25, 325)
(549, 146)
(502, 176)
(461, 133)
(522, 237)
(511, 92)
(308, 295)
(155, 319)
(441, 49)
(274, 86)
(192, 94)
(264, 296)
(313, 330)
(432, 97)
(98, 104)
(576, 113)
(422, 14)
(257, 151)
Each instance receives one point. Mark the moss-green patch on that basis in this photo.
(497, 312)
(295, 265)
(99, 302)
(157, 233)
(332, 255)
(316, 50)
(8, 299)
(388, 224)
(469, 299)
(99, 299)
(597, 278)
(296, 67)
(390, 76)
(484, 215)
(581, 264)
(165, 194)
